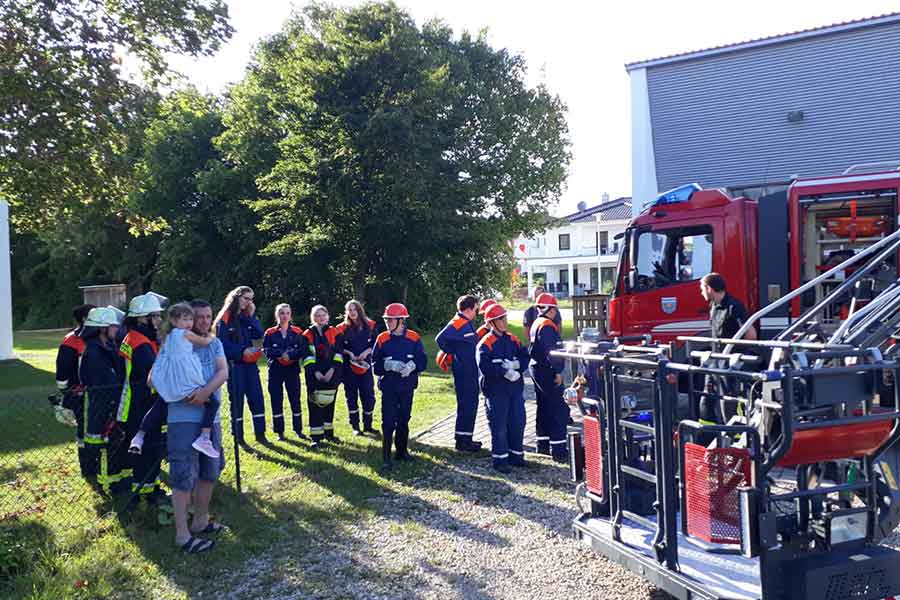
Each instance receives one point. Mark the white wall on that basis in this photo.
(6, 333)
(643, 161)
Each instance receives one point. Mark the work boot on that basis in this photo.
(502, 467)
(543, 447)
(357, 432)
(402, 442)
(386, 443)
(463, 445)
(331, 438)
(262, 439)
(561, 457)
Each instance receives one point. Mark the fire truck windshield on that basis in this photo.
(669, 256)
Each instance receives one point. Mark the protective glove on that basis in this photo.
(512, 375)
(392, 365)
(510, 365)
(407, 369)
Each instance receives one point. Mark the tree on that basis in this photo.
(405, 156)
(65, 102)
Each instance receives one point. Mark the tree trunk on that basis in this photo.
(359, 284)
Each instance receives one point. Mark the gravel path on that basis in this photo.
(463, 532)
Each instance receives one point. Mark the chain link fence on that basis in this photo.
(64, 459)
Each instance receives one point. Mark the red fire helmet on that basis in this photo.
(494, 312)
(486, 304)
(395, 311)
(546, 299)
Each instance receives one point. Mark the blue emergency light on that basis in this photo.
(677, 195)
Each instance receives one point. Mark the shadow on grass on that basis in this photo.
(17, 375)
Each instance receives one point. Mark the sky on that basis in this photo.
(578, 49)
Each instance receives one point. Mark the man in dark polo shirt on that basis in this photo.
(726, 313)
(726, 316)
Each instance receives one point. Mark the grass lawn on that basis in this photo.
(515, 304)
(58, 539)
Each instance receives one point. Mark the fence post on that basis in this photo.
(234, 436)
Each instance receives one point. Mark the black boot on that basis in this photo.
(402, 443)
(386, 442)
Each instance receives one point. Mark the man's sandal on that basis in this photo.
(197, 545)
(212, 528)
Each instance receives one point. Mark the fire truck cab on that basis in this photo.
(763, 247)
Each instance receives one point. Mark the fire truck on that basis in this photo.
(793, 493)
(763, 247)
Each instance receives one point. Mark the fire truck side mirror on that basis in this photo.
(631, 280)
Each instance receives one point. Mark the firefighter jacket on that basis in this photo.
(359, 340)
(138, 352)
(493, 350)
(531, 315)
(326, 351)
(276, 345)
(458, 339)
(482, 331)
(544, 338)
(101, 375)
(67, 357)
(237, 336)
(401, 348)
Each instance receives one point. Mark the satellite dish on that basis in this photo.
(582, 206)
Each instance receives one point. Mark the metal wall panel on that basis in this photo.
(723, 120)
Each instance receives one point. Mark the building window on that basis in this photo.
(603, 245)
(607, 280)
(565, 242)
(595, 279)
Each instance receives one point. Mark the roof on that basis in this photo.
(766, 41)
(611, 210)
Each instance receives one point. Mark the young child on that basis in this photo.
(176, 375)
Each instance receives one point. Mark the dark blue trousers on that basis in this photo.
(506, 416)
(396, 410)
(465, 383)
(552, 412)
(243, 382)
(281, 379)
(361, 387)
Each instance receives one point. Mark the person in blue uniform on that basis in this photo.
(237, 327)
(323, 366)
(397, 359)
(358, 332)
(284, 347)
(546, 371)
(502, 359)
(531, 313)
(69, 384)
(101, 373)
(458, 339)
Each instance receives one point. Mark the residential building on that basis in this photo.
(753, 115)
(579, 255)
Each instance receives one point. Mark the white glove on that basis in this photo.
(510, 365)
(393, 365)
(512, 375)
(407, 369)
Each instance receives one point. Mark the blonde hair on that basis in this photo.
(175, 312)
(313, 311)
(279, 307)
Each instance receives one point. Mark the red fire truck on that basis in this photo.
(763, 247)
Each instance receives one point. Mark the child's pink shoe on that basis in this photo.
(204, 445)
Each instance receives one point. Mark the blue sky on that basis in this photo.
(577, 48)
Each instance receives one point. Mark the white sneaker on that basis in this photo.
(137, 443)
(204, 445)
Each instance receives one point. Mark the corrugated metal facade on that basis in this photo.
(723, 120)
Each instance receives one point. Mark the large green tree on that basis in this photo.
(65, 103)
(405, 155)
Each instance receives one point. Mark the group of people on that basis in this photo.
(491, 360)
(130, 380)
